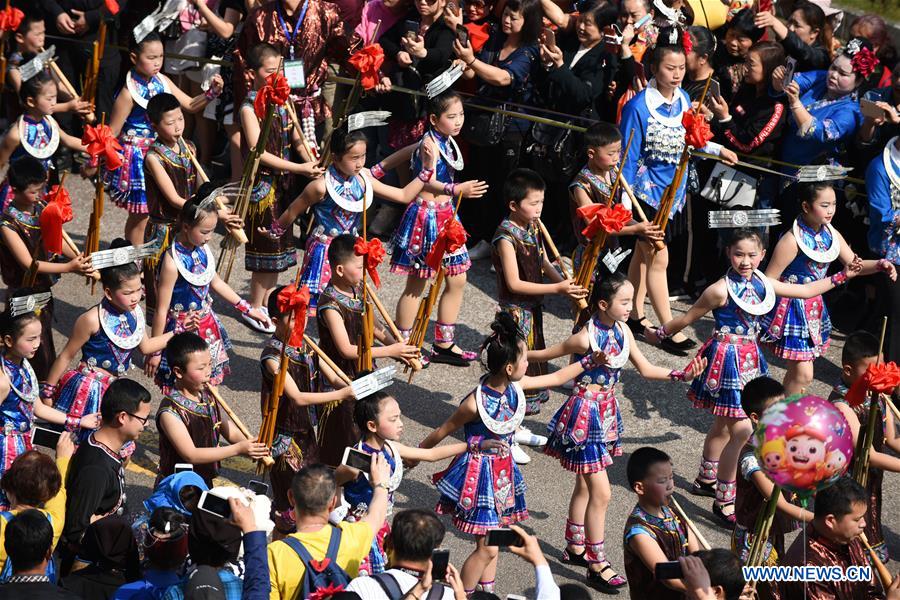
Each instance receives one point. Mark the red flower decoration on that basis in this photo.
(686, 42)
(450, 238)
(697, 132)
(276, 91)
(599, 216)
(368, 61)
(57, 211)
(290, 299)
(882, 378)
(864, 62)
(10, 18)
(374, 253)
(100, 140)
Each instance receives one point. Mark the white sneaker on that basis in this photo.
(256, 325)
(480, 251)
(525, 436)
(519, 455)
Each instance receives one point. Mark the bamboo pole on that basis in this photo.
(326, 359)
(581, 302)
(268, 460)
(690, 524)
(237, 232)
(386, 316)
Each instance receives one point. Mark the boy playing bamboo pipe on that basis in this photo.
(518, 256)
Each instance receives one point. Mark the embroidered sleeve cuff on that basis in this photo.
(48, 391)
(838, 279)
(475, 443)
(809, 129)
(377, 171)
(242, 306)
(73, 422)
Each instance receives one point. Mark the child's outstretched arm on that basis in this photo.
(392, 348)
(466, 412)
(408, 193)
(565, 374)
(227, 294)
(815, 288)
(712, 298)
(19, 251)
(301, 398)
(408, 453)
(577, 343)
(766, 487)
(198, 102)
(650, 371)
(866, 267)
(510, 273)
(173, 428)
(401, 156)
(57, 417)
(311, 194)
(85, 326)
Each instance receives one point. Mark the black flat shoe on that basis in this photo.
(678, 348)
(576, 560)
(637, 327)
(606, 585)
(704, 488)
(447, 356)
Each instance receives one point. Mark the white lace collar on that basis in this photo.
(654, 99)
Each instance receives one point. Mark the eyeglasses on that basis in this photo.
(143, 420)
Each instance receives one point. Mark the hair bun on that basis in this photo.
(505, 325)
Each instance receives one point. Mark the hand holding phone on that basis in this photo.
(790, 68)
(214, 505)
(440, 558)
(549, 37)
(259, 488)
(357, 459)
(503, 536)
(871, 109)
(668, 570)
(462, 35)
(45, 437)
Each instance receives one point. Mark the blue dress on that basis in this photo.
(835, 123)
(585, 432)
(126, 184)
(732, 353)
(497, 497)
(332, 218)
(16, 415)
(103, 359)
(423, 219)
(883, 189)
(800, 329)
(187, 296)
(38, 134)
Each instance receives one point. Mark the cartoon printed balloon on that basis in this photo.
(803, 443)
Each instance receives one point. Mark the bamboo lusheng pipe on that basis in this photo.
(585, 275)
(326, 359)
(635, 205)
(386, 316)
(883, 573)
(762, 530)
(548, 241)
(268, 460)
(690, 524)
(237, 232)
(248, 180)
(864, 442)
(367, 331)
(426, 304)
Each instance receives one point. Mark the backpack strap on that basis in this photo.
(334, 544)
(6, 515)
(389, 584)
(298, 547)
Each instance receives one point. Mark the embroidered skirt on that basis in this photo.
(531, 323)
(213, 332)
(480, 494)
(584, 433)
(13, 444)
(416, 234)
(732, 361)
(376, 560)
(80, 392)
(316, 270)
(797, 329)
(262, 254)
(126, 184)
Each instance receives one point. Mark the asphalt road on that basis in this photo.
(655, 413)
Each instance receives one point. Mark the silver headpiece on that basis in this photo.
(811, 173)
(614, 258)
(442, 82)
(36, 64)
(733, 219)
(369, 118)
(22, 305)
(115, 257)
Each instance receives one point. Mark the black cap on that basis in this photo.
(204, 584)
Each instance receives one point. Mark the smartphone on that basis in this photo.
(357, 459)
(410, 28)
(440, 558)
(258, 487)
(790, 67)
(549, 37)
(45, 437)
(668, 570)
(503, 536)
(642, 21)
(871, 109)
(714, 91)
(214, 505)
(462, 35)
(181, 467)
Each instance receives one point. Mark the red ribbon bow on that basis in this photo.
(275, 91)
(599, 216)
(100, 140)
(450, 238)
(881, 378)
(326, 592)
(697, 132)
(374, 253)
(864, 62)
(11, 18)
(368, 62)
(290, 299)
(57, 211)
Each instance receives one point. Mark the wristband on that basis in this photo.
(211, 93)
(242, 306)
(839, 279)
(377, 171)
(72, 422)
(662, 334)
(48, 390)
(469, 64)
(587, 362)
(677, 375)
(450, 189)
(475, 443)
(277, 229)
(425, 175)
